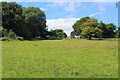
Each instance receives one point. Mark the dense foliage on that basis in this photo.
(89, 27)
(56, 34)
(35, 23)
(12, 17)
(11, 35)
(29, 23)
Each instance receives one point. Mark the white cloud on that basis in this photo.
(62, 23)
(94, 14)
(68, 6)
(43, 9)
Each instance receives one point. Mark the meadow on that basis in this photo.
(67, 58)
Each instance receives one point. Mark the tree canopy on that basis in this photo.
(79, 25)
(28, 22)
(89, 27)
(108, 29)
(35, 22)
(57, 34)
(12, 16)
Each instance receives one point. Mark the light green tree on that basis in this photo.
(88, 31)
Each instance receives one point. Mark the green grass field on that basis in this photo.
(68, 58)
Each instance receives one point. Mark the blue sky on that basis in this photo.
(63, 15)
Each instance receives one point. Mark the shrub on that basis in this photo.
(4, 32)
(12, 35)
(5, 39)
(20, 38)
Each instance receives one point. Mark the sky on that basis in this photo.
(62, 15)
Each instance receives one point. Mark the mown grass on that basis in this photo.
(68, 58)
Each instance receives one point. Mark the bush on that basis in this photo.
(8, 39)
(11, 35)
(4, 32)
(5, 39)
(20, 38)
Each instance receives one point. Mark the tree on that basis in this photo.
(12, 16)
(57, 34)
(25, 22)
(98, 33)
(111, 30)
(78, 26)
(65, 35)
(88, 31)
(89, 27)
(86, 27)
(83, 22)
(108, 29)
(35, 22)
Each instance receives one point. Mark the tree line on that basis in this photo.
(22, 23)
(89, 27)
(26, 23)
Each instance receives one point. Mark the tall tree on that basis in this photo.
(35, 22)
(12, 16)
(111, 29)
(88, 31)
(78, 26)
(108, 29)
(86, 27)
